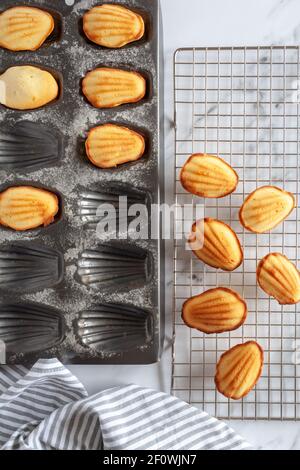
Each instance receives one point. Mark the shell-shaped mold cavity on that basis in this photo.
(115, 328)
(27, 267)
(28, 327)
(111, 200)
(116, 265)
(29, 146)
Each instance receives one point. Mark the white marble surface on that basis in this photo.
(210, 23)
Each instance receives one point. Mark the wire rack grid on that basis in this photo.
(243, 105)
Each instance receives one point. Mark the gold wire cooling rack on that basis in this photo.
(243, 105)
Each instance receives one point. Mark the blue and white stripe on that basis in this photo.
(48, 408)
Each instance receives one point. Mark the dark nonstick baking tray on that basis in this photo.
(63, 291)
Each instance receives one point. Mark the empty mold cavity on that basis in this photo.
(29, 146)
(30, 267)
(115, 264)
(29, 327)
(89, 202)
(115, 328)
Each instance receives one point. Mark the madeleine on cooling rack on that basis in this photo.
(107, 87)
(239, 369)
(27, 87)
(27, 207)
(113, 26)
(109, 145)
(216, 244)
(215, 311)
(279, 278)
(24, 28)
(208, 176)
(266, 208)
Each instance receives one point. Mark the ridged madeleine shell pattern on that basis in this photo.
(114, 265)
(215, 311)
(216, 244)
(113, 26)
(27, 207)
(115, 328)
(89, 202)
(208, 176)
(24, 28)
(266, 208)
(279, 278)
(29, 146)
(239, 369)
(107, 87)
(110, 145)
(30, 267)
(26, 87)
(28, 327)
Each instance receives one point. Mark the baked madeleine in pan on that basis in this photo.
(215, 311)
(27, 207)
(110, 145)
(279, 278)
(266, 208)
(113, 25)
(26, 87)
(24, 28)
(239, 369)
(208, 176)
(216, 244)
(108, 87)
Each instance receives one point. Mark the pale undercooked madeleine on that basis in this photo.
(266, 208)
(113, 25)
(27, 87)
(239, 369)
(216, 244)
(27, 207)
(215, 311)
(279, 278)
(208, 176)
(110, 145)
(24, 28)
(108, 87)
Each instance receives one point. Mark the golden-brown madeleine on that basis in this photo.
(113, 26)
(208, 176)
(266, 208)
(216, 244)
(239, 369)
(26, 87)
(107, 87)
(27, 207)
(110, 145)
(24, 28)
(215, 311)
(279, 278)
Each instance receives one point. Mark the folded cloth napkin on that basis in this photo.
(48, 408)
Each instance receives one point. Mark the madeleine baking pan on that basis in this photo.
(64, 291)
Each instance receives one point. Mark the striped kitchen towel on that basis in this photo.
(48, 408)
